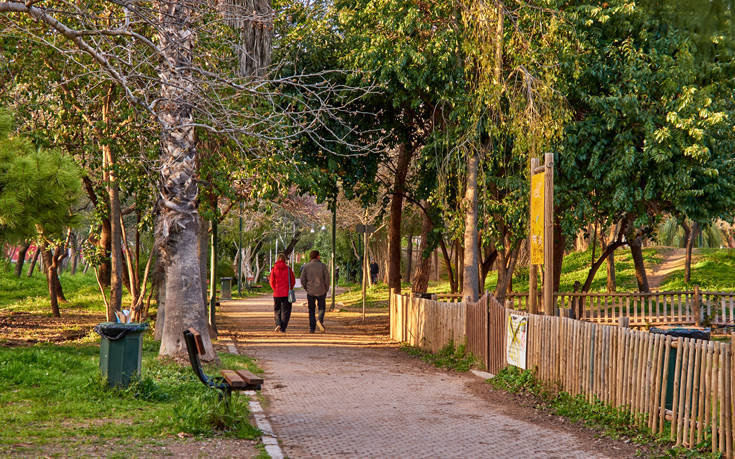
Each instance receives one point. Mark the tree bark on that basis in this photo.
(294, 240)
(21, 258)
(159, 281)
(691, 237)
(74, 254)
(559, 246)
(596, 265)
(409, 258)
(421, 279)
(471, 258)
(448, 263)
(178, 227)
(506, 266)
(491, 254)
(640, 270)
(202, 255)
(34, 261)
(611, 283)
(396, 208)
(51, 281)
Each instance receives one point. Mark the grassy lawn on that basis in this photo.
(712, 269)
(53, 395)
(55, 403)
(30, 294)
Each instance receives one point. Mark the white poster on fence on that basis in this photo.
(515, 340)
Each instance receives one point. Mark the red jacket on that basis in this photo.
(279, 278)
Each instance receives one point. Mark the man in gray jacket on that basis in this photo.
(315, 280)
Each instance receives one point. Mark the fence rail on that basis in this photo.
(654, 308)
(676, 386)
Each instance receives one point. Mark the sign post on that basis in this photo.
(536, 235)
(541, 233)
(549, 234)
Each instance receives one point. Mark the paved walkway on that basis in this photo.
(351, 393)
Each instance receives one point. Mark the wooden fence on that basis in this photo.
(655, 308)
(678, 386)
(426, 324)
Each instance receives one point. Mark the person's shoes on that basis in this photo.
(311, 331)
(320, 326)
(278, 328)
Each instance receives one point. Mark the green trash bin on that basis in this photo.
(679, 332)
(121, 350)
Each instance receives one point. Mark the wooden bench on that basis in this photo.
(229, 381)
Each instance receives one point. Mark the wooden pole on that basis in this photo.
(532, 271)
(549, 234)
(365, 270)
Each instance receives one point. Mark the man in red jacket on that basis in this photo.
(282, 279)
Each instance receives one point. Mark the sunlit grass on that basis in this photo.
(712, 269)
(52, 394)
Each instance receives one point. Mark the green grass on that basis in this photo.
(376, 296)
(53, 395)
(30, 294)
(449, 357)
(712, 269)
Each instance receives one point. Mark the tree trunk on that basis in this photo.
(460, 265)
(409, 258)
(294, 240)
(159, 281)
(559, 246)
(34, 261)
(611, 272)
(178, 227)
(52, 280)
(396, 208)
(21, 258)
(491, 254)
(202, 254)
(74, 254)
(640, 270)
(471, 259)
(448, 263)
(596, 265)
(421, 279)
(691, 237)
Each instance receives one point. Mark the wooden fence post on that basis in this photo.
(696, 304)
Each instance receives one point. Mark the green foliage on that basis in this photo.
(651, 134)
(37, 188)
(449, 357)
(44, 384)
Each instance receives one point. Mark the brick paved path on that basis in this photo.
(347, 394)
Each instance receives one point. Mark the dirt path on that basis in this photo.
(673, 260)
(353, 393)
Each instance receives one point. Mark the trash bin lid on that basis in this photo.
(681, 332)
(114, 330)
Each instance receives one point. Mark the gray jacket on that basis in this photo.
(315, 278)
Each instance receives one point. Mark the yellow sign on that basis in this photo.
(537, 219)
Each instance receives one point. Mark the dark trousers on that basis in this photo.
(281, 311)
(322, 301)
